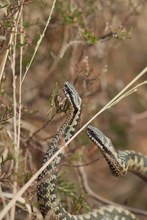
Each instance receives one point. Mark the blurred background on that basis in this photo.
(99, 46)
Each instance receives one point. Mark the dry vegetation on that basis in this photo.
(99, 46)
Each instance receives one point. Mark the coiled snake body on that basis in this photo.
(50, 205)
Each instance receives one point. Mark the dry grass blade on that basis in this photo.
(25, 187)
(40, 40)
(16, 152)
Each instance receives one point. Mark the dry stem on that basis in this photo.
(100, 199)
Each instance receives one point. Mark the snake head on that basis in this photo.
(103, 142)
(72, 95)
(108, 150)
(99, 138)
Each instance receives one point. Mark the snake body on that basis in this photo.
(46, 189)
(122, 161)
(50, 205)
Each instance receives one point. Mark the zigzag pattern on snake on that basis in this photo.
(122, 161)
(50, 205)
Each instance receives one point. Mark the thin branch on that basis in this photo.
(100, 199)
(83, 164)
(4, 202)
(71, 43)
(8, 195)
(16, 153)
(16, 132)
(20, 78)
(34, 177)
(3, 156)
(41, 128)
(139, 116)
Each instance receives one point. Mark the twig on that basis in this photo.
(139, 116)
(90, 192)
(83, 164)
(33, 178)
(42, 127)
(71, 43)
(16, 131)
(3, 156)
(4, 202)
(8, 195)
(16, 153)
(20, 78)
(64, 47)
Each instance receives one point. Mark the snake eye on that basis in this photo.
(90, 131)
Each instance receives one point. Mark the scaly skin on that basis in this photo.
(122, 161)
(46, 189)
(50, 206)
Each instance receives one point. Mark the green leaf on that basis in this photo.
(3, 6)
(90, 37)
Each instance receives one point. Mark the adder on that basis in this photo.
(49, 203)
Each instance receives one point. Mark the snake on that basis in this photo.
(48, 201)
(122, 161)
